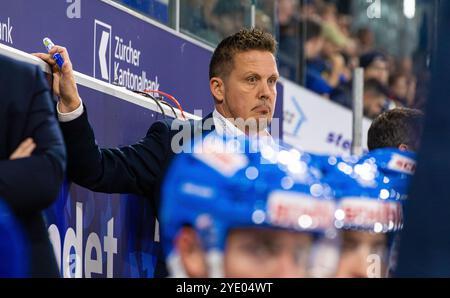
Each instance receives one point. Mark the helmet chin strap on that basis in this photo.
(214, 261)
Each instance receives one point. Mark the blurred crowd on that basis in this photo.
(332, 49)
(324, 37)
(213, 20)
(319, 47)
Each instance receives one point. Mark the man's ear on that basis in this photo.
(217, 89)
(191, 253)
(403, 147)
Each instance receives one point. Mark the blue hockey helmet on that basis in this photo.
(214, 191)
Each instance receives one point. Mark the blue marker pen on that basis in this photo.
(49, 45)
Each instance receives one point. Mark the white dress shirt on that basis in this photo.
(222, 125)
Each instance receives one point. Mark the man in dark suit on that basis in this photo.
(32, 157)
(243, 76)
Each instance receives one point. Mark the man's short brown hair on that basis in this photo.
(396, 127)
(245, 40)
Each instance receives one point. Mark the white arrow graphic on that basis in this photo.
(102, 55)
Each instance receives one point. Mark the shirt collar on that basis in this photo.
(224, 127)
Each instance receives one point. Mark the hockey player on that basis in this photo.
(235, 214)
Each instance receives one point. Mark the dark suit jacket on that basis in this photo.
(30, 185)
(137, 169)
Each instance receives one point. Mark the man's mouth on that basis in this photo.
(262, 109)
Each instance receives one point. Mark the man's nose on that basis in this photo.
(265, 91)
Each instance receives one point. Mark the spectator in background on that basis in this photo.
(315, 65)
(329, 71)
(345, 23)
(366, 40)
(289, 44)
(322, 76)
(336, 38)
(405, 69)
(225, 17)
(192, 19)
(263, 21)
(32, 157)
(375, 70)
(351, 62)
(337, 44)
(286, 11)
(411, 94)
(265, 15)
(375, 95)
(154, 8)
(308, 10)
(391, 65)
(405, 65)
(213, 20)
(375, 66)
(399, 88)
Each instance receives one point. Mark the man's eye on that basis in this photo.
(272, 81)
(251, 80)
